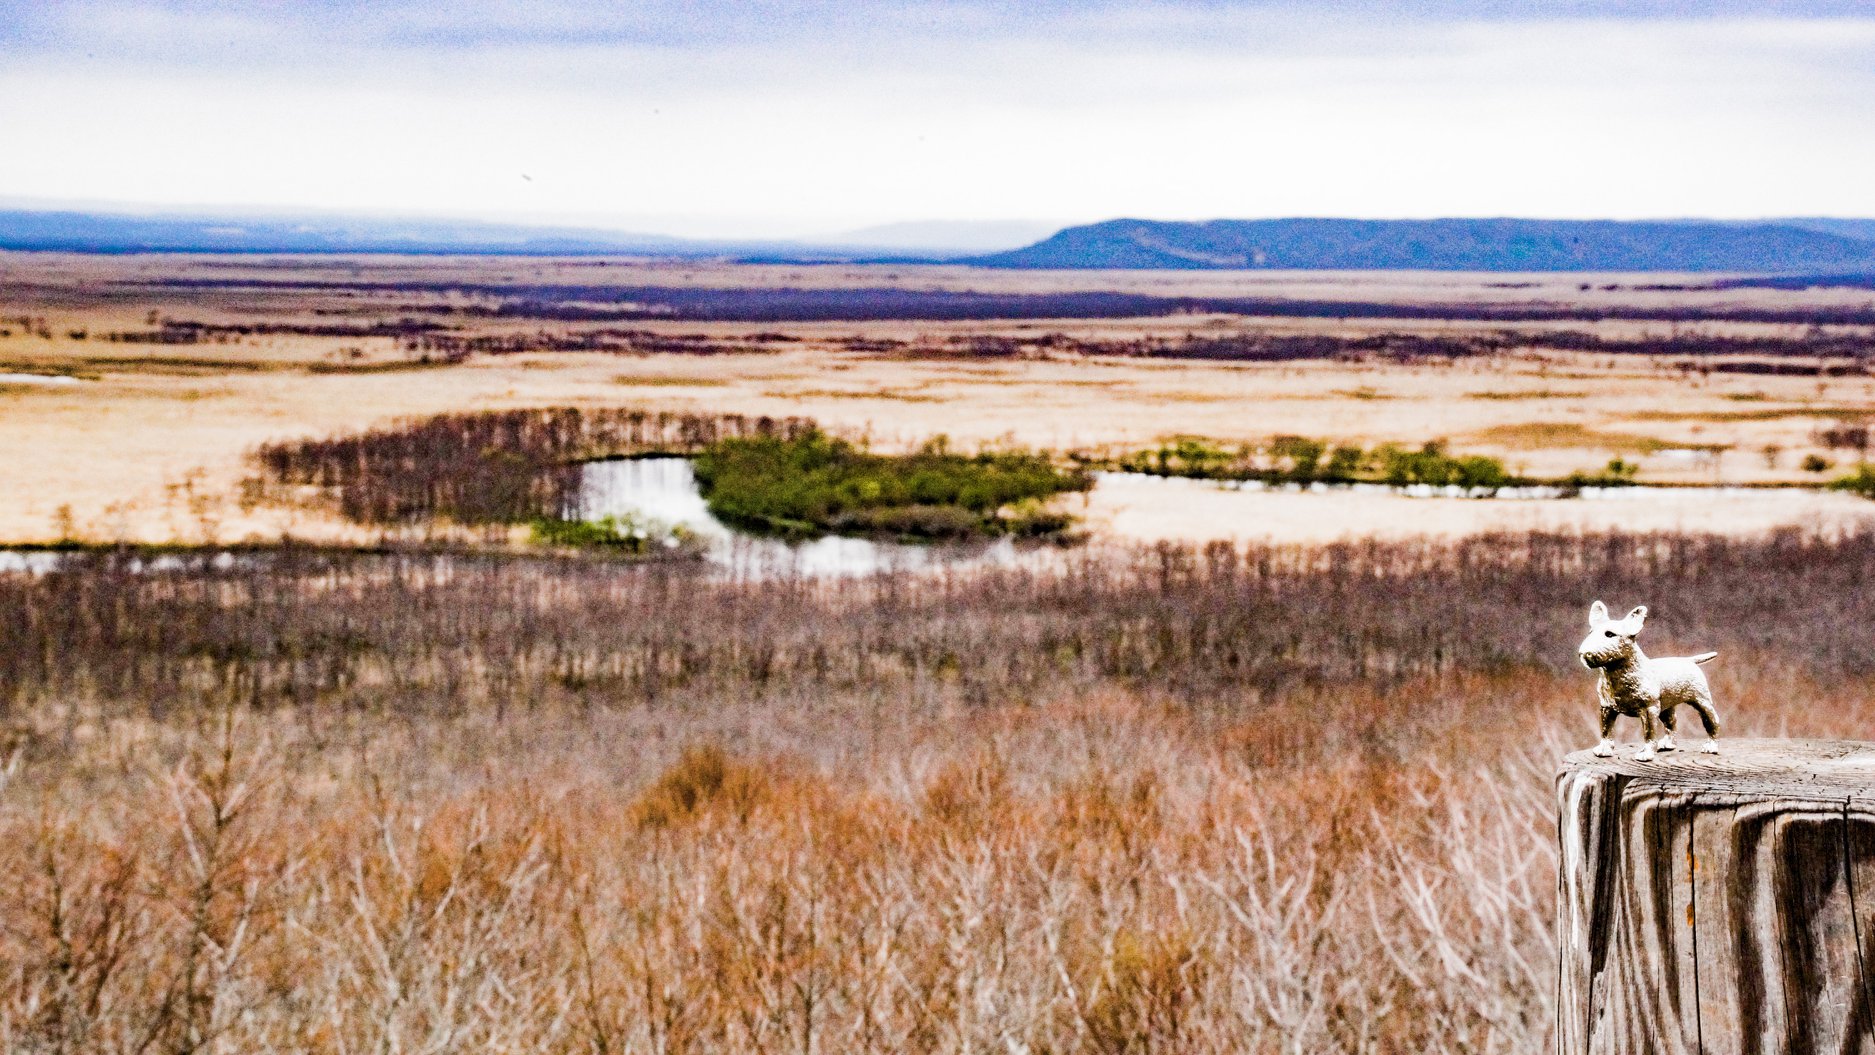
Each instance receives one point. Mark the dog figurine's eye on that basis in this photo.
(1608, 633)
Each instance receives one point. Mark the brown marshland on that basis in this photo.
(1151, 794)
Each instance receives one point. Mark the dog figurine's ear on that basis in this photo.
(1598, 614)
(1632, 624)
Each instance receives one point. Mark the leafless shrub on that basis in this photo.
(1844, 435)
(500, 467)
(1264, 799)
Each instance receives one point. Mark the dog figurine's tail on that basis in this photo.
(1705, 657)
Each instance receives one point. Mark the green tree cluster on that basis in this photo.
(816, 484)
(1302, 460)
(1861, 482)
(1431, 464)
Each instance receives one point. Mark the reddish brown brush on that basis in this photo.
(1263, 800)
(493, 468)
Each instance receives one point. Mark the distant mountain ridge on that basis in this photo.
(72, 230)
(946, 237)
(1848, 228)
(1446, 245)
(109, 232)
(1778, 247)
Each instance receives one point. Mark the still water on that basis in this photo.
(661, 493)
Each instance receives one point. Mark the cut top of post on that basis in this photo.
(1746, 767)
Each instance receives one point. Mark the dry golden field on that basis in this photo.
(149, 442)
(1224, 800)
(1248, 772)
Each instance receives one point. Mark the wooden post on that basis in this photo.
(1712, 904)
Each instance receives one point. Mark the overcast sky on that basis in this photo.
(706, 117)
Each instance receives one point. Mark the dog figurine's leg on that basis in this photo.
(1666, 739)
(1607, 746)
(1646, 753)
(1702, 702)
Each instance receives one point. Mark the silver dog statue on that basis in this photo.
(1648, 689)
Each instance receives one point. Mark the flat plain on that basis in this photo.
(133, 389)
(1248, 772)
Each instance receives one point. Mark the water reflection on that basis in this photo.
(661, 493)
(660, 490)
(39, 562)
(48, 380)
(32, 562)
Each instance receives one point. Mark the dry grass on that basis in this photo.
(1262, 799)
(1538, 435)
(1851, 413)
(116, 449)
(186, 366)
(1154, 510)
(1527, 393)
(1257, 801)
(669, 382)
(814, 396)
(1105, 878)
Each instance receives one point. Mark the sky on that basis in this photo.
(771, 118)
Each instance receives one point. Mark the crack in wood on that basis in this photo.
(1713, 905)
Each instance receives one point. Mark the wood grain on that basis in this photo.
(1714, 904)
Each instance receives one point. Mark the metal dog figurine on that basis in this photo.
(1648, 689)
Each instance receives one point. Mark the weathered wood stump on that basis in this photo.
(1718, 903)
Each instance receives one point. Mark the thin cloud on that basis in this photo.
(770, 118)
(287, 28)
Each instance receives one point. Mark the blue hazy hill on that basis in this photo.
(1781, 247)
(1446, 245)
(105, 231)
(127, 233)
(112, 232)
